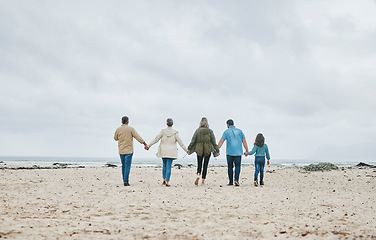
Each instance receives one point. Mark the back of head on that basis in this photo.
(260, 140)
(230, 122)
(204, 122)
(125, 120)
(169, 122)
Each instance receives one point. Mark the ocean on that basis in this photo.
(139, 161)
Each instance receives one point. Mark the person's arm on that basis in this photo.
(138, 137)
(193, 142)
(245, 144)
(267, 153)
(156, 139)
(221, 141)
(180, 142)
(254, 149)
(116, 136)
(212, 139)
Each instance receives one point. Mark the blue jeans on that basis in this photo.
(231, 161)
(126, 161)
(166, 172)
(259, 168)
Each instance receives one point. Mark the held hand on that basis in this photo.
(218, 154)
(246, 154)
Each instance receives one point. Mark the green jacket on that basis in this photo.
(203, 142)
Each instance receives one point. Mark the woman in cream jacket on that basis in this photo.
(168, 150)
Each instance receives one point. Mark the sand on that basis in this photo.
(92, 203)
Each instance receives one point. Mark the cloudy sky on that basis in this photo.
(301, 72)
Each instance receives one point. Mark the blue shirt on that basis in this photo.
(260, 151)
(234, 137)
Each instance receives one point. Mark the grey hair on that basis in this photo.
(204, 122)
(169, 122)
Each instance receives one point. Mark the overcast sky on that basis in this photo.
(300, 72)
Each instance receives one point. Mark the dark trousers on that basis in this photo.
(231, 162)
(199, 165)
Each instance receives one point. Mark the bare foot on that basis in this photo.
(196, 182)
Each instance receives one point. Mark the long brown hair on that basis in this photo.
(260, 140)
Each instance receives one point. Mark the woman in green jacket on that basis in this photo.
(203, 144)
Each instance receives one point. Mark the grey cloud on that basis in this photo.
(342, 25)
(81, 66)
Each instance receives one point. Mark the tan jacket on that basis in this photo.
(168, 148)
(124, 135)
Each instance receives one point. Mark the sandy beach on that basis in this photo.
(92, 203)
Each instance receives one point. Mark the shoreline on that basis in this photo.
(19, 165)
(100, 161)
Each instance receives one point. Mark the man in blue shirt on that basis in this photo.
(234, 150)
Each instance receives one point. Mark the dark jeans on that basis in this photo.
(259, 168)
(199, 165)
(231, 161)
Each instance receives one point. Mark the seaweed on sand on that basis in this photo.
(325, 166)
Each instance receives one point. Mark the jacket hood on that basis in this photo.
(205, 130)
(169, 132)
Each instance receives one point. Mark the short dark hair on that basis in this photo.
(230, 122)
(260, 140)
(125, 120)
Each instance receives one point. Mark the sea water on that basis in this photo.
(186, 160)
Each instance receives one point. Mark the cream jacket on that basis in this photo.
(124, 135)
(168, 148)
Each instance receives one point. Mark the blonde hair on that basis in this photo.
(204, 122)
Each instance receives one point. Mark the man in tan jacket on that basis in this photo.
(124, 135)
